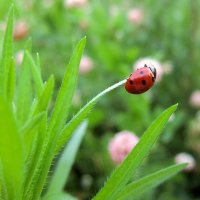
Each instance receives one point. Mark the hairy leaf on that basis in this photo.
(128, 167)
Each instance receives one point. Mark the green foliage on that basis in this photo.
(67, 130)
(11, 154)
(25, 127)
(126, 170)
(32, 133)
(61, 173)
(137, 188)
(6, 58)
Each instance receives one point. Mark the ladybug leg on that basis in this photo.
(145, 65)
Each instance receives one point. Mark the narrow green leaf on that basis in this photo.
(36, 73)
(30, 131)
(128, 167)
(58, 118)
(147, 183)
(71, 126)
(31, 187)
(66, 91)
(48, 151)
(31, 124)
(24, 92)
(6, 54)
(67, 131)
(66, 161)
(11, 156)
(45, 157)
(33, 161)
(11, 81)
(45, 97)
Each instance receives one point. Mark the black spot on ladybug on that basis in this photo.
(141, 72)
(131, 82)
(143, 82)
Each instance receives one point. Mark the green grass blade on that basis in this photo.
(31, 124)
(66, 161)
(81, 115)
(45, 97)
(149, 182)
(6, 55)
(128, 167)
(36, 74)
(30, 130)
(56, 122)
(32, 189)
(66, 91)
(33, 168)
(11, 81)
(11, 155)
(24, 92)
(47, 159)
(30, 164)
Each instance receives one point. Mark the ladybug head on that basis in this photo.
(153, 70)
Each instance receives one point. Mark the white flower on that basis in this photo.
(186, 158)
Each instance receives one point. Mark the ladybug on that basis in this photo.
(141, 80)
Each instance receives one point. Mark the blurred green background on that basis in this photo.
(121, 34)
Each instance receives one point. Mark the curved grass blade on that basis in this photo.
(33, 168)
(36, 73)
(31, 124)
(30, 132)
(149, 182)
(66, 161)
(128, 167)
(66, 91)
(56, 122)
(10, 144)
(6, 54)
(24, 92)
(81, 115)
(44, 98)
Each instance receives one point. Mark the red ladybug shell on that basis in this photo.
(141, 80)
